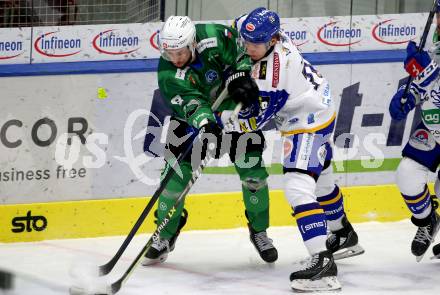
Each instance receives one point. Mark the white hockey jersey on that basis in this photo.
(292, 93)
(430, 106)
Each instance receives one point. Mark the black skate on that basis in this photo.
(263, 244)
(159, 249)
(318, 274)
(344, 243)
(428, 228)
(436, 251)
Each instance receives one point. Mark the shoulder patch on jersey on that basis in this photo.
(206, 43)
(180, 73)
(276, 70)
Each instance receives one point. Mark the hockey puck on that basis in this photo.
(6, 280)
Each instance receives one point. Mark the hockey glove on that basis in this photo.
(212, 139)
(399, 111)
(242, 88)
(420, 66)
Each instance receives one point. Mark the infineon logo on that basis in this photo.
(108, 42)
(154, 41)
(54, 46)
(333, 35)
(298, 37)
(390, 32)
(10, 49)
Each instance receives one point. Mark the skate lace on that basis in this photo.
(423, 236)
(161, 244)
(262, 241)
(332, 239)
(310, 262)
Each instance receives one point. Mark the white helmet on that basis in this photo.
(177, 32)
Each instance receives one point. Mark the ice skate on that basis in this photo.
(426, 232)
(263, 245)
(159, 250)
(318, 274)
(344, 243)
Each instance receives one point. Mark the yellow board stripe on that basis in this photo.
(311, 130)
(309, 213)
(97, 218)
(332, 201)
(417, 200)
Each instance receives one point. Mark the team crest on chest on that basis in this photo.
(211, 76)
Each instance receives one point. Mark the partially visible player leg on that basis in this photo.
(253, 175)
(304, 157)
(342, 240)
(160, 248)
(319, 271)
(420, 155)
(411, 179)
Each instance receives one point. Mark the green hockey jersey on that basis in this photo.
(191, 91)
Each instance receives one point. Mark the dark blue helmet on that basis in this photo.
(260, 25)
(438, 6)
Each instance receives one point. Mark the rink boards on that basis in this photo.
(94, 218)
(74, 154)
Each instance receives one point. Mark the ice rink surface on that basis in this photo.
(223, 262)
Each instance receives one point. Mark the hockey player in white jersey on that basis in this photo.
(422, 152)
(298, 98)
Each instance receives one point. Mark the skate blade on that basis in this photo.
(435, 257)
(419, 258)
(150, 262)
(348, 252)
(321, 285)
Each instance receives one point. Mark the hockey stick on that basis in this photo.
(420, 48)
(106, 268)
(116, 286)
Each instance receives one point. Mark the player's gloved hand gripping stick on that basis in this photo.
(116, 286)
(419, 50)
(107, 268)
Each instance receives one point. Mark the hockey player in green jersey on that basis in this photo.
(195, 61)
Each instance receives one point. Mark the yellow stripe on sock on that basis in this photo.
(308, 213)
(417, 200)
(332, 201)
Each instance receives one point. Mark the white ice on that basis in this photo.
(224, 262)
